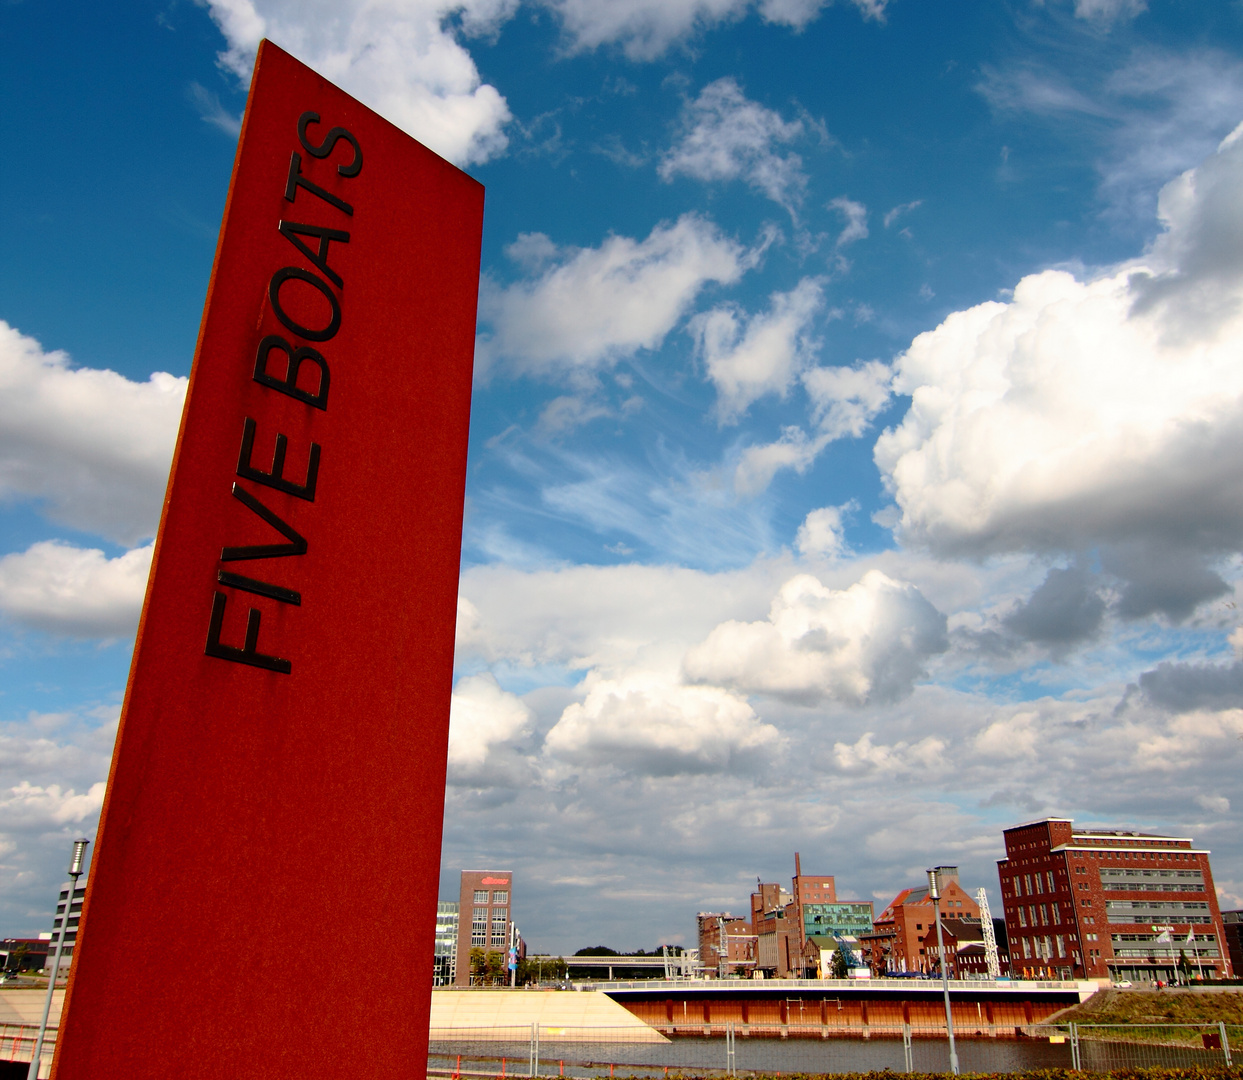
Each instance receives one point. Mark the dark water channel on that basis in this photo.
(793, 1055)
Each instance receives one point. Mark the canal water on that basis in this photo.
(691, 1055)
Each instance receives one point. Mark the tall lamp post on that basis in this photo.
(75, 871)
(935, 893)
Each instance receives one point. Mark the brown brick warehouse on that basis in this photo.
(805, 1012)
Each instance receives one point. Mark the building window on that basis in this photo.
(1049, 876)
(500, 896)
(1022, 916)
(1057, 918)
(481, 896)
(479, 926)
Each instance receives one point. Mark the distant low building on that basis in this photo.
(445, 970)
(1233, 925)
(727, 945)
(24, 954)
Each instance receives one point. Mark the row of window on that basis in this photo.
(1027, 880)
(1142, 917)
(1044, 915)
(1118, 873)
(1151, 886)
(500, 896)
(1209, 938)
(1173, 907)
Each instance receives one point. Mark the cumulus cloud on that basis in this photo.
(725, 136)
(644, 721)
(80, 592)
(866, 643)
(91, 446)
(822, 534)
(397, 56)
(51, 803)
(594, 306)
(1085, 414)
(1064, 609)
(748, 357)
(482, 717)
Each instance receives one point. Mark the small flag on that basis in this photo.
(1165, 936)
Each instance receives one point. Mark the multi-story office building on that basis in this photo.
(1102, 903)
(485, 915)
(71, 928)
(446, 942)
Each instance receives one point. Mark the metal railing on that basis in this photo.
(17, 1043)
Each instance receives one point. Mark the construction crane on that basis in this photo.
(990, 938)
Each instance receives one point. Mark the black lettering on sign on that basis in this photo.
(297, 180)
(295, 357)
(274, 479)
(260, 588)
(330, 140)
(287, 273)
(249, 652)
(296, 545)
(291, 230)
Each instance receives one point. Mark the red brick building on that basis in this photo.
(1098, 903)
(485, 913)
(896, 942)
(964, 948)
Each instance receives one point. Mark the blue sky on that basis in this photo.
(853, 448)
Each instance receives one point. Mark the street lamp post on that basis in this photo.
(75, 871)
(935, 893)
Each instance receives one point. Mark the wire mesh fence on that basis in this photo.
(583, 1052)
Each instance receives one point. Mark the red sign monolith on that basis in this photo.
(263, 895)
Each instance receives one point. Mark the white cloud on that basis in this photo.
(646, 28)
(1099, 412)
(866, 643)
(1154, 116)
(845, 400)
(1010, 737)
(1109, 11)
(51, 803)
(757, 465)
(396, 56)
(822, 534)
(646, 722)
(482, 716)
(864, 756)
(855, 218)
(93, 447)
(725, 136)
(896, 212)
(747, 358)
(80, 592)
(598, 305)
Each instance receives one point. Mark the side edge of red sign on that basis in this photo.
(276, 791)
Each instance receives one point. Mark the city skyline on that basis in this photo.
(852, 463)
